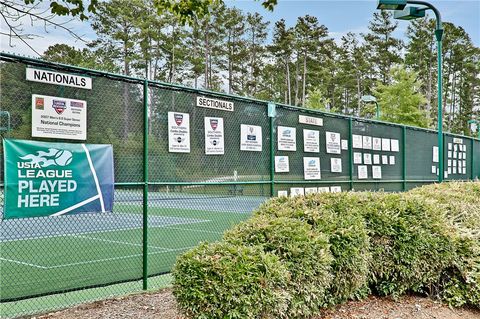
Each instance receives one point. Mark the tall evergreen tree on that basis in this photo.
(384, 49)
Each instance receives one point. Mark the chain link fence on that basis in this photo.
(165, 202)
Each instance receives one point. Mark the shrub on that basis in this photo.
(410, 244)
(222, 280)
(337, 216)
(304, 252)
(459, 204)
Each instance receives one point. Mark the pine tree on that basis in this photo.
(384, 49)
(401, 102)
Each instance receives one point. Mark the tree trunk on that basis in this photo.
(304, 77)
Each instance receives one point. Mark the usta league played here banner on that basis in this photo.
(53, 179)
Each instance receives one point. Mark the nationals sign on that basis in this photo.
(53, 179)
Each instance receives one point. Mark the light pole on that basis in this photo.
(371, 98)
(408, 13)
(477, 124)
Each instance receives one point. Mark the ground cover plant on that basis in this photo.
(325, 249)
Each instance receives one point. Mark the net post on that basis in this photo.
(145, 187)
(404, 157)
(350, 151)
(271, 115)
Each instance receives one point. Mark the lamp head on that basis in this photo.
(391, 4)
(409, 13)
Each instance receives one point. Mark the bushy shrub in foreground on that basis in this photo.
(459, 204)
(336, 215)
(304, 252)
(425, 240)
(410, 244)
(222, 280)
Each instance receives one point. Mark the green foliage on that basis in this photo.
(73, 8)
(304, 252)
(316, 100)
(401, 102)
(423, 241)
(336, 216)
(459, 203)
(410, 244)
(222, 280)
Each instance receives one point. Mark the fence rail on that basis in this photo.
(167, 202)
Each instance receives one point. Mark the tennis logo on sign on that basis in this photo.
(52, 179)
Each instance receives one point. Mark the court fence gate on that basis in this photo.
(167, 202)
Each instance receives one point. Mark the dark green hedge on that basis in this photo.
(297, 255)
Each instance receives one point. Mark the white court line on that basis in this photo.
(60, 234)
(68, 209)
(114, 258)
(196, 230)
(95, 178)
(23, 263)
(117, 242)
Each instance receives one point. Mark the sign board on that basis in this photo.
(215, 104)
(58, 117)
(214, 136)
(51, 77)
(310, 120)
(333, 142)
(287, 138)
(178, 132)
(311, 141)
(52, 179)
(311, 168)
(281, 164)
(250, 138)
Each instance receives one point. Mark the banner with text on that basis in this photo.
(53, 179)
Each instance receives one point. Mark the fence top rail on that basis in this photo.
(5, 56)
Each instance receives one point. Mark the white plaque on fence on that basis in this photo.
(250, 138)
(58, 117)
(214, 104)
(310, 120)
(287, 138)
(281, 164)
(214, 136)
(64, 79)
(333, 142)
(336, 165)
(311, 141)
(178, 132)
(311, 168)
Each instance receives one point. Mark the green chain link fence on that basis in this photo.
(166, 203)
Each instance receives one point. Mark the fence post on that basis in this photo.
(145, 185)
(271, 115)
(350, 151)
(472, 173)
(404, 157)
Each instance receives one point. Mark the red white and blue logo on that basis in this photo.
(59, 106)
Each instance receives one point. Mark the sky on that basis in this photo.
(340, 17)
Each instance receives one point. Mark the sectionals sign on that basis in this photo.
(53, 179)
(214, 104)
(50, 77)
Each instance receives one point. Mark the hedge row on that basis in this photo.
(298, 255)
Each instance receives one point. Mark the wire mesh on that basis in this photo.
(49, 262)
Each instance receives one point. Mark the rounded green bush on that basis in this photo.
(410, 243)
(459, 204)
(337, 216)
(222, 280)
(304, 252)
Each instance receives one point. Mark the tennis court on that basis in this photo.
(56, 254)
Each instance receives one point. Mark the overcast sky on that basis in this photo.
(339, 16)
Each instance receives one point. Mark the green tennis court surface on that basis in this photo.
(40, 256)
